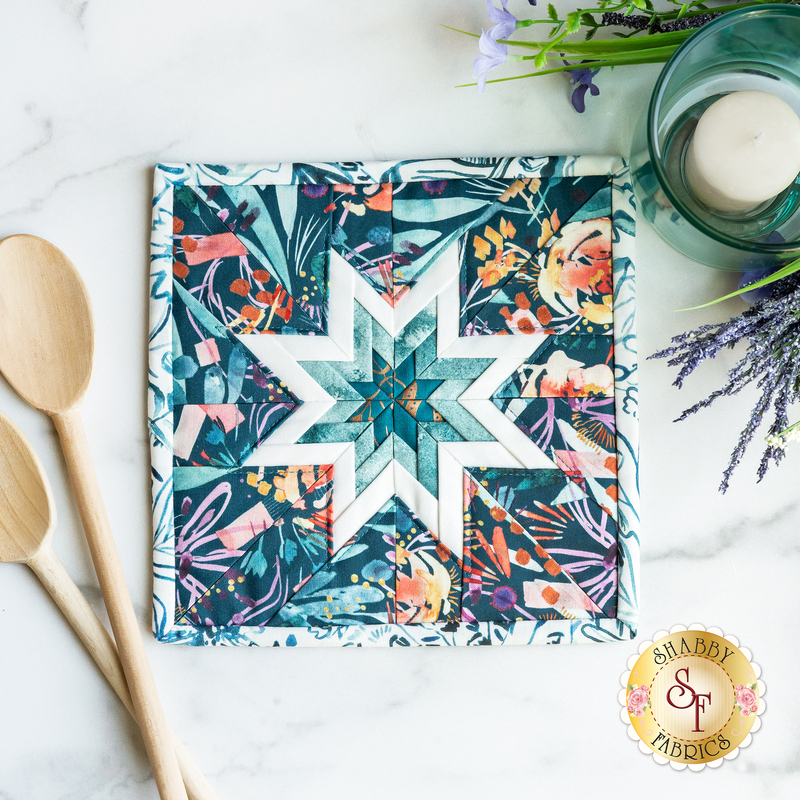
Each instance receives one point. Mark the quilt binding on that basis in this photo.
(624, 627)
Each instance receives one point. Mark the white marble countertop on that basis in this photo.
(92, 95)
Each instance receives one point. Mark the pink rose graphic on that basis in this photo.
(638, 700)
(746, 700)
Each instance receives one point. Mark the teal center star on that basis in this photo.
(396, 400)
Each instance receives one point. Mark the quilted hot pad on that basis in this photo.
(394, 403)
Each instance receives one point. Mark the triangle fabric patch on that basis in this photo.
(393, 570)
(211, 366)
(578, 434)
(566, 288)
(362, 233)
(565, 366)
(212, 259)
(356, 586)
(391, 233)
(247, 538)
(527, 216)
(508, 575)
(576, 532)
(287, 228)
(225, 401)
(428, 217)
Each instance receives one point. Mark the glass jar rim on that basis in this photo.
(710, 28)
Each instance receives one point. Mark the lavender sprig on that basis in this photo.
(772, 329)
(654, 24)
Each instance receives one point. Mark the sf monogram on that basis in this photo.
(694, 699)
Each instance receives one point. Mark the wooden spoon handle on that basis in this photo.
(97, 640)
(111, 577)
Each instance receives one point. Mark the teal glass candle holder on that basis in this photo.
(748, 49)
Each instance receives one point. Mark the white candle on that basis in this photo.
(744, 151)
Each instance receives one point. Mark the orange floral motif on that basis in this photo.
(180, 270)
(498, 513)
(241, 287)
(208, 248)
(580, 261)
(507, 255)
(562, 376)
(382, 201)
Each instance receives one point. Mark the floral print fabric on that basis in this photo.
(393, 570)
(535, 547)
(246, 539)
(256, 257)
(225, 401)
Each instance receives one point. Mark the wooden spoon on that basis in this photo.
(27, 521)
(46, 351)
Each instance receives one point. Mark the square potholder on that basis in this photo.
(394, 403)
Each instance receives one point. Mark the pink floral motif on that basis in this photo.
(638, 700)
(746, 699)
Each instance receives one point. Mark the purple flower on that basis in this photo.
(314, 189)
(505, 21)
(434, 187)
(503, 598)
(581, 81)
(494, 55)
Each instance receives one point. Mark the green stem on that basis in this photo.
(793, 427)
(617, 58)
(646, 58)
(783, 272)
(610, 45)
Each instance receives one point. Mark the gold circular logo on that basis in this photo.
(692, 697)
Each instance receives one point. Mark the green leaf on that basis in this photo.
(783, 272)
(552, 13)
(588, 19)
(683, 11)
(573, 21)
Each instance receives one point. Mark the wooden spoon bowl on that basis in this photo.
(46, 325)
(27, 511)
